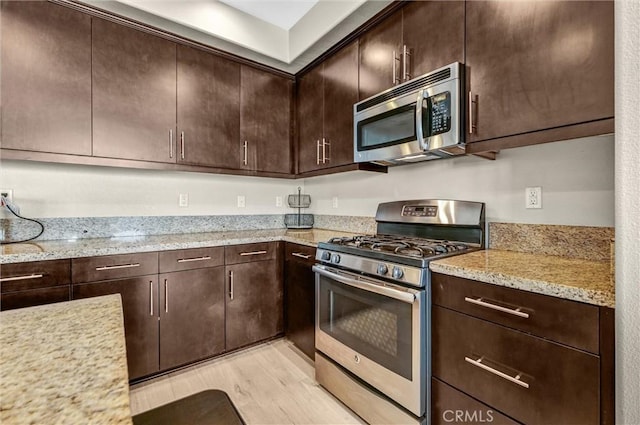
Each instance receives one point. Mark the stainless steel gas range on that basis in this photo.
(373, 306)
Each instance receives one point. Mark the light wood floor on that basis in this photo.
(269, 384)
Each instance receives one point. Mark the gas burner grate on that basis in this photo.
(411, 247)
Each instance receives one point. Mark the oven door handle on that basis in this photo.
(406, 297)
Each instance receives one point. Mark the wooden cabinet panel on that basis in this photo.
(340, 93)
(134, 93)
(90, 269)
(564, 321)
(563, 383)
(187, 259)
(140, 309)
(46, 78)
(265, 121)
(539, 65)
(34, 275)
(434, 33)
(208, 109)
(253, 302)
(300, 297)
(452, 406)
(192, 316)
(235, 254)
(33, 297)
(378, 47)
(310, 113)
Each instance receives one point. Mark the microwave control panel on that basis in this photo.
(438, 110)
(419, 211)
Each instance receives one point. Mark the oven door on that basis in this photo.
(375, 330)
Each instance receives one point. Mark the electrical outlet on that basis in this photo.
(533, 197)
(183, 200)
(241, 201)
(278, 201)
(7, 193)
(334, 202)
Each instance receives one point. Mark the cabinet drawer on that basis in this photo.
(91, 269)
(189, 259)
(530, 379)
(33, 297)
(559, 320)
(303, 253)
(235, 254)
(453, 406)
(34, 275)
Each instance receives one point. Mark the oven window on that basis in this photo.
(375, 326)
(390, 128)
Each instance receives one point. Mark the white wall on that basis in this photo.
(577, 179)
(58, 190)
(627, 212)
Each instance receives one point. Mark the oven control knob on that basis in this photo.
(397, 273)
(335, 258)
(383, 269)
(326, 256)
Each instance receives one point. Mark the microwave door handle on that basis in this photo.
(406, 297)
(419, 131)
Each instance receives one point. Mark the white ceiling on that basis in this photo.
(284, 34)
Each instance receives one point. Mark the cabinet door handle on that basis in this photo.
(299, 254)
(182, 145)
(119, 266)
(170, 143)
(187, 260)
(252, 253)
(151, 298)
(231, 284)
(166, 296)
(514, 379)
(394, 75)
(30, 276)
(473, 99)
(245, 160)
(318, 152)
(405, 63)
(482, 303)
(325, 158)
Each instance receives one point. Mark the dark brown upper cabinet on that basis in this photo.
(208, 109)
(265, 121)
(326, 95)
(539, 66)
(419, 38)
(46, 78)
(134, 94)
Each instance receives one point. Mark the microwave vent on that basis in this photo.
(405, 88)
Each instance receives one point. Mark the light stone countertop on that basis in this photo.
(60, 249)
(573, 279)
(64, 363)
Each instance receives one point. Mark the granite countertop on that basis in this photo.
(64, 363)
(573, 279)
(52, 250)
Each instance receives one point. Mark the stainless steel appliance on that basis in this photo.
(419, 120)
(373, 305)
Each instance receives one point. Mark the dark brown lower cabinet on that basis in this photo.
(253, 302)
(140, 310)
(33, 297)
(191, 316)
(300, 297)
(34, 283)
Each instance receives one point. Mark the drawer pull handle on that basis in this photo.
(120, 266)
(30, 276)
(252, 253)
(187, 260)
(298, 254)
(480, 302)
(478, 363)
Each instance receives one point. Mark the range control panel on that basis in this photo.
(419, 211)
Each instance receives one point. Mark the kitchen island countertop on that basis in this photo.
(60, 249)
(573, 279)
(64, 363)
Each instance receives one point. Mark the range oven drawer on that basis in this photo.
(564, 321)
(527, 378)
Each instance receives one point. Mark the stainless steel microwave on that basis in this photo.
(418, 120)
